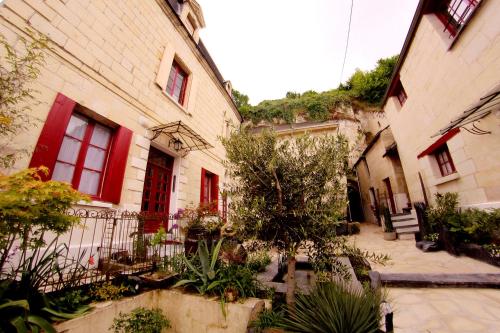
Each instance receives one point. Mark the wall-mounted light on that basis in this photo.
(176, 143)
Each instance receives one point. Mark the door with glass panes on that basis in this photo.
(157, 189)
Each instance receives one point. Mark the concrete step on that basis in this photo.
(407, 236)
(405, 223)
(403, 218)
(426, 280)
(410, 229)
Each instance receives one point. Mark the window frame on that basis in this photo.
(209, 197)
(443, 158)
(182, 94)
(85, 142)
(453, 21)
(46, 150)
(400, 94)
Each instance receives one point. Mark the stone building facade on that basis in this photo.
(131, 103)
(442, 108)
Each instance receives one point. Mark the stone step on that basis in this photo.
(403, 218)
(427, 280)
(410, 229)
(405, 223)
(407, 236)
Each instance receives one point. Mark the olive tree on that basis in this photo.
(289, 193)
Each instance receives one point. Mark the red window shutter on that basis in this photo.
(215, 192)
(115, 169)
(50, 140)
(202, 187)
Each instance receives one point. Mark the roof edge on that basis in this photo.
(406, 46)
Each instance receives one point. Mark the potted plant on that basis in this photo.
(389, 233)
(200, 223)
(160, 273)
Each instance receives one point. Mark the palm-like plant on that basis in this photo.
(335, 308)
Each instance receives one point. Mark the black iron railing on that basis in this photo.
(105, 244)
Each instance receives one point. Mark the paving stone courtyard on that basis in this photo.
(433, 310)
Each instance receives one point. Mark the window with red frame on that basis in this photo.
(177, 81)
(209, 192)
(400, 93)
(444, 161)
(81, 151)
(454, 14)
(83, 154)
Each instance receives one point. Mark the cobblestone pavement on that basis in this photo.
(433, 310)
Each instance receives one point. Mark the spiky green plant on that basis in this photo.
(203, 278)
(335, 308)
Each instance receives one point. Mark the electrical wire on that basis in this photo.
(347, 42)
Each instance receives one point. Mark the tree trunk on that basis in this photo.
(290, 281)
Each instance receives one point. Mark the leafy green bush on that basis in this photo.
(479, 226)
(335, 308)
(238, 278)
(30, 208)
(107, 291)
(471, 225)
(140, 320)
(444, 212)
(268, 319)
(258, 261)
(370, 86)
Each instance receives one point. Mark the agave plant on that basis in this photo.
(335, 308)
(202, 276)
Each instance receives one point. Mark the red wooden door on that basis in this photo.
(157, 189)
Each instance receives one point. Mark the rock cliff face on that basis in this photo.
(359, 125)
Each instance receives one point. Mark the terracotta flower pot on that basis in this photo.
(390, 236)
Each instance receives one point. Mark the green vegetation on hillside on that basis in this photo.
(362, 88)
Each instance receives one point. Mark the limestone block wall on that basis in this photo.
(106, 55)
(441, 82)
(373, 169)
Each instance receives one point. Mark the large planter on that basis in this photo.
(447, 241)
(193, 235)
(478, 252)
(187, 313)
(390, 236)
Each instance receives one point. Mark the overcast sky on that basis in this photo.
(269, 47)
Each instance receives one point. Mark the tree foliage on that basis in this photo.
(362, 88)
(370, 86)
(18, 68)
(29, 207)
(287, 192)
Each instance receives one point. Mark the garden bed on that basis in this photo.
(186, 312)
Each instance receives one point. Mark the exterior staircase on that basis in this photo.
(406, 225)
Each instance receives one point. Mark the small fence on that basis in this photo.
(105, 244)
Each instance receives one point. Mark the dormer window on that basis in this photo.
(190, 24)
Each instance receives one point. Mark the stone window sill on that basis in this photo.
(446, 179)
(179, 106)
(97, 204)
